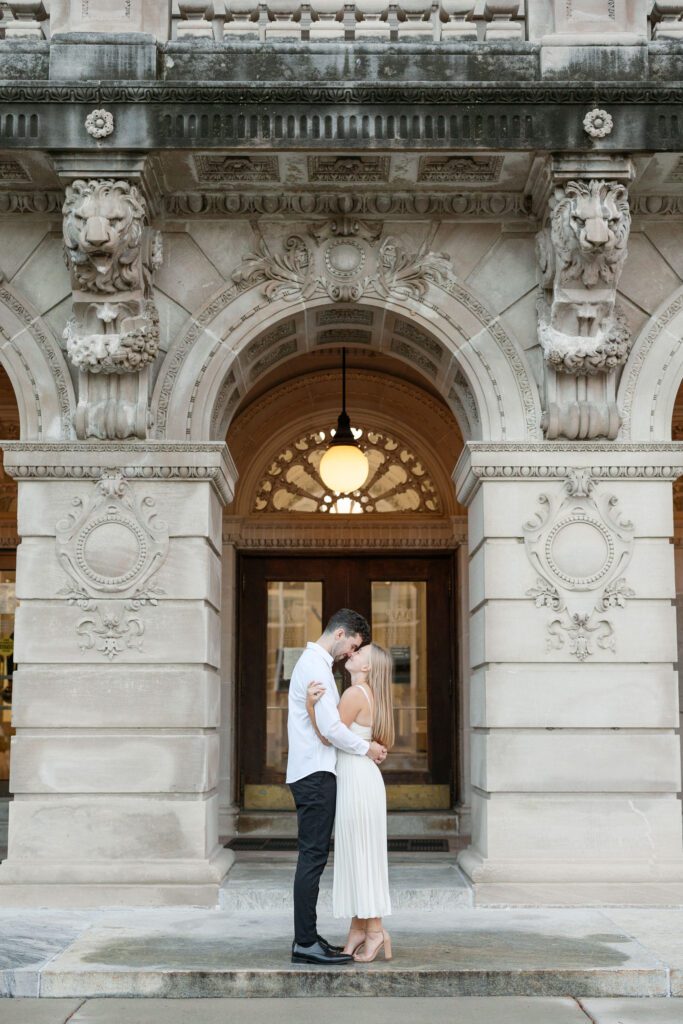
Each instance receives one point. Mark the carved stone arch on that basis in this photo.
(483, 376)
(652, 375)
(37, 369)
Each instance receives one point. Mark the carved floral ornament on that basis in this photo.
(99, 124)
(579, 543)
(110, 549)
(598, 123)
(344, 259)
(397, 482)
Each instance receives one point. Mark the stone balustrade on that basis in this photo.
(347, 21)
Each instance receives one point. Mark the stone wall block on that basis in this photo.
(512, 631)
(594, 760)
(148, 696)
(191, 509)
(139, 761)
(574, 696)
(190, 571)
(126, 828)
(580, 837)
(501, 569)
(173, 631)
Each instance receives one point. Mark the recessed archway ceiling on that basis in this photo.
(372, 337)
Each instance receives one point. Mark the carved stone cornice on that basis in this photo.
(495, 205)
(482, 461)
(153, 460)
(357, 532)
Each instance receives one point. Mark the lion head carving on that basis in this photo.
(103, 229)
(590, 224)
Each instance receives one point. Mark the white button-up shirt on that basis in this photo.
(306, 753)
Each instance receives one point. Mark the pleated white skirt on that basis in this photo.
(361, 873)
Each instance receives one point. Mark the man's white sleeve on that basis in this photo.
(334, 730)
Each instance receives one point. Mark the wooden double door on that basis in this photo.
(285, 601)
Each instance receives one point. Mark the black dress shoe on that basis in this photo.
(328, 947)
(318, 954)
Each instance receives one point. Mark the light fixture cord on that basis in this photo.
(343, 380)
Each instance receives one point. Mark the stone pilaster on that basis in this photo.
(574, 703)
(117, 692)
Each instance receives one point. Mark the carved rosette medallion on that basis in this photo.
(579, 543)
(110, 549)
(99, 124)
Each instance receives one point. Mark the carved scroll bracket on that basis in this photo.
(583, 333)
(579, 543)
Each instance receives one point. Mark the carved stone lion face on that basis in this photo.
(103, 216)
(592, 217)
(103, 225)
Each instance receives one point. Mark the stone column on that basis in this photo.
(117, 692)
(574, 703)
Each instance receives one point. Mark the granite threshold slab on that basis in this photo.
(177, 953)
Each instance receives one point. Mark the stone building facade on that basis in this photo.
(201, 205)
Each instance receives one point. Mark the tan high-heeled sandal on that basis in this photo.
(384, 945)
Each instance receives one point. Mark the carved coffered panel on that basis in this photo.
(344, 259)
(397, 482)
(675, 175)
(12, 170)
(579, 543)
(258, 347)
(360, 317)
(477, 169)
(273, 356)
(400, 348)
(225, 170)
(411, 333)
(361, 169)
(110, 550)
(342, 336)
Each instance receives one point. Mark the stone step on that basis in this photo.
(420, 885)
(181, 952)
(434, 824)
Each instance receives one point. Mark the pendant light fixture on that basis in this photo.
(344, 467)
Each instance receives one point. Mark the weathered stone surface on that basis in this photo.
(77, 56)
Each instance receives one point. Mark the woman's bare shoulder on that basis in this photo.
(351, 698)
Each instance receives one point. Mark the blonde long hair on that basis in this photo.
(380, 678)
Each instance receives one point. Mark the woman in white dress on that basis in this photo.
(361, 876)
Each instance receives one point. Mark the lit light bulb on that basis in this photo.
(344, 468)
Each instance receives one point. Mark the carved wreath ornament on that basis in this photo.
(579, 543)
(100, 124)
(110, 550)
(598, 123)
(343, 259)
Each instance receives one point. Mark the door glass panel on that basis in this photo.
(399, 623)
(295, 612)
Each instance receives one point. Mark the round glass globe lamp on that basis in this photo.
(344, 467)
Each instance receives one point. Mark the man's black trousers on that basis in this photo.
(315, 797)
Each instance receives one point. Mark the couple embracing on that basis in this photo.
(335, 747)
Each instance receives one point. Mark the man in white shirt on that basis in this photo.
(311, 773)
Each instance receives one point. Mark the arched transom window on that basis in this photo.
(398, 480)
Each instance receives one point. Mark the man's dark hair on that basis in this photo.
(351, 622)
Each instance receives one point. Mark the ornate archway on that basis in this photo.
(437, 326)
